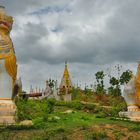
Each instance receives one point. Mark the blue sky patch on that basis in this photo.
(50, 9)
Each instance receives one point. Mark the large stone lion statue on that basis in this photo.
(8, 66)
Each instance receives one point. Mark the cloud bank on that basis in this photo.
(91, 35)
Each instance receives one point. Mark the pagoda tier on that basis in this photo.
(66, 84)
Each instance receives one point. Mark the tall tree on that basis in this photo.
(114, 89)
(100, 82)
(125, 77)
(115, 83)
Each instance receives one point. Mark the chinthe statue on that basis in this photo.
(8, 69)
(131, 95)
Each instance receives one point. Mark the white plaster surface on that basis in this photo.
(5, 81)
(67, 97)
(129, 93)
(8, 102)
(133, 116)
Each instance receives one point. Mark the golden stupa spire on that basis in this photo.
(66, 81)
(66, 72)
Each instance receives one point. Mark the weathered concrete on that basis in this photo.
(132, 115)
(7, 112)
(5, 82)
(67, 97)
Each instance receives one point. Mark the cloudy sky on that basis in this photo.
(91, 35)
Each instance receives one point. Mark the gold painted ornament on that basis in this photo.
(7, 52)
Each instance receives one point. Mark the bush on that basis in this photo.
(76, 94)
(39, 122)
(61, 103)
(32, 109)
(51, 103)
(101, 115)
(90, 106)
(74, 104)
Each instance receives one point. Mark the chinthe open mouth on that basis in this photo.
(5, 24)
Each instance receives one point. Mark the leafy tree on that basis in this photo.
(100, 82)
(125, 77)
(51, 83)
(114, 89)
(114, 81)
(100, 76)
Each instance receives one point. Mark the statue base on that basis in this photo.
(132, 115)
(67, 97)
(7, 112)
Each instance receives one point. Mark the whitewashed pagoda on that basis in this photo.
(65, 87)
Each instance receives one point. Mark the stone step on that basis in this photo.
(8, 106)
(7, 119)
(7, 112)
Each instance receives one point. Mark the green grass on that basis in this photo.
(52, 123)
(63, 126)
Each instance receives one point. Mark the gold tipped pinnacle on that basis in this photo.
(66, 81)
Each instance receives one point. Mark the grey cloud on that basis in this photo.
(119, 35)
(17, 7)
(90, 48)
(27, 46)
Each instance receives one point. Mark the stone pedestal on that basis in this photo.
(7, 112)
(132, 115)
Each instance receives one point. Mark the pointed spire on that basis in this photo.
(66, 81)
(66, 64)
(66, 72)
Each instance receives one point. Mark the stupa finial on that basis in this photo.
(66, 63)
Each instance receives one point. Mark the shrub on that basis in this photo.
(76, 94)
(39, 122)
(32, 109)
(61, 103)
(51, 103)
(90, 106)
(135, 128)
(101, 115)
(74, 104)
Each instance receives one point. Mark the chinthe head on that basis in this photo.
(5, 20)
